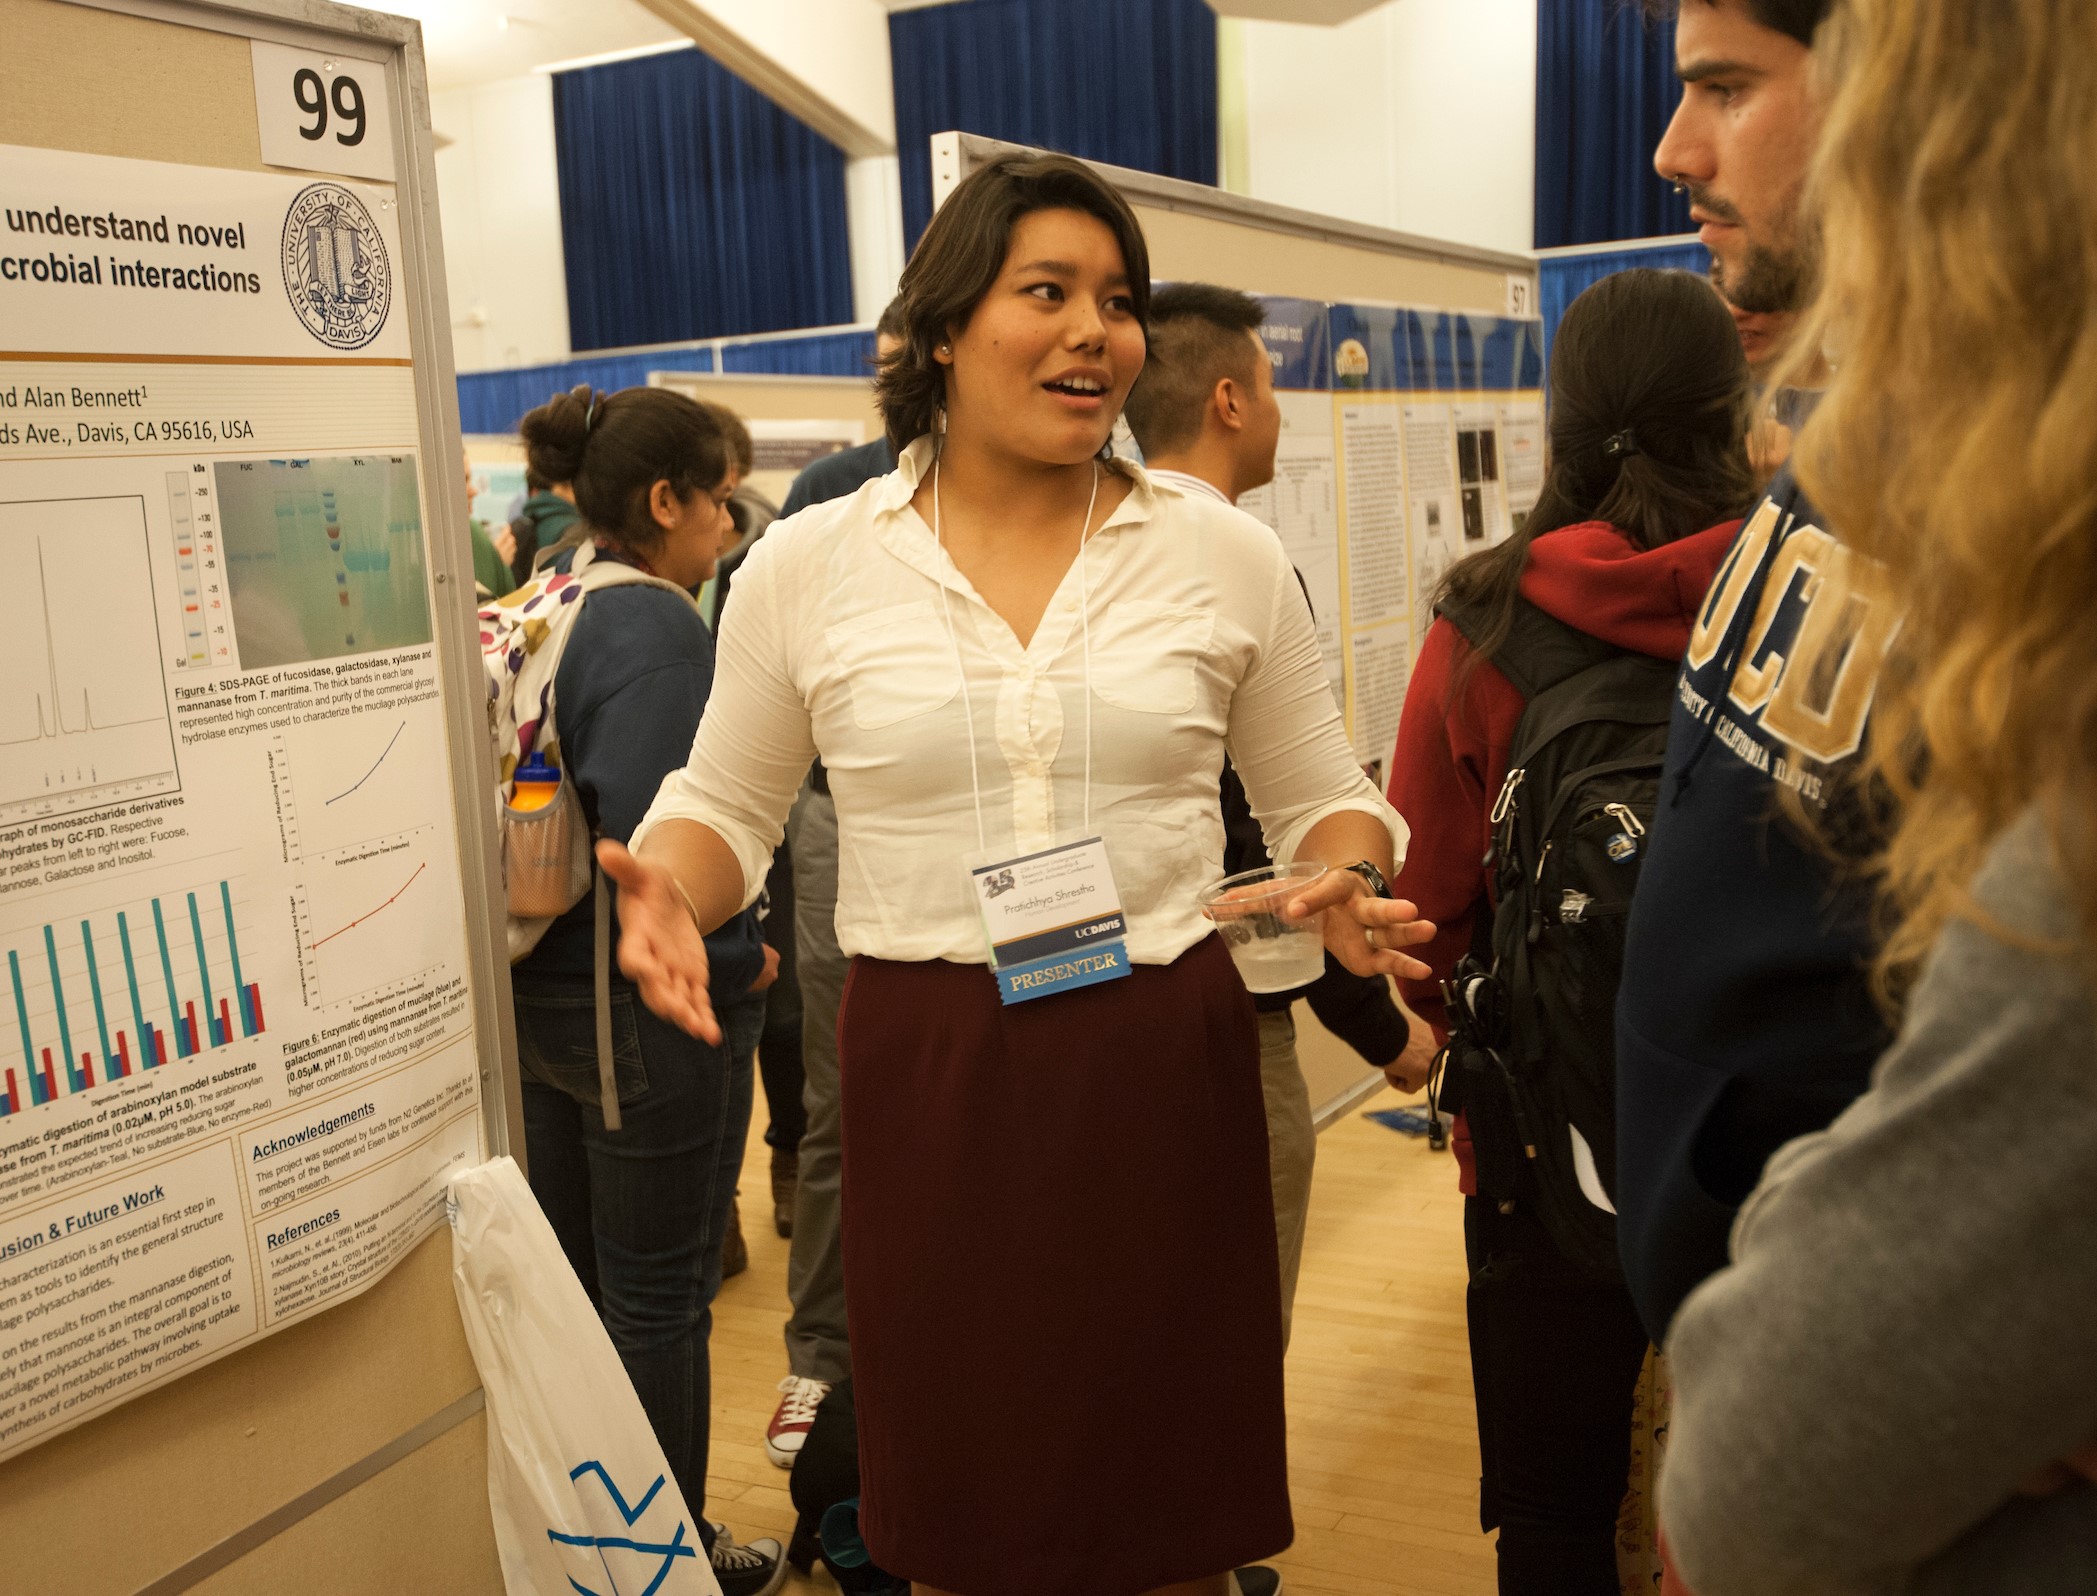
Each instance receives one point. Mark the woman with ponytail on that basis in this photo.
(640, 1210)
(1646, 476)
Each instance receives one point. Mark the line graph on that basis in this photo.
(361, 780)
(86, 722)
(372, 914)
(341, 783)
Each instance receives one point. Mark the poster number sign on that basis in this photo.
(323, 113)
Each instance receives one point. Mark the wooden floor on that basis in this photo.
(1382, 1451)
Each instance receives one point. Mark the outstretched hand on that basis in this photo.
(1361, 930)
(660, 949)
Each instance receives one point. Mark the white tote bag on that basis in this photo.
(581, 1496)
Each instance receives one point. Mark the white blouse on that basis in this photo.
(836, 645)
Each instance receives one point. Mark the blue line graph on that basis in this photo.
(361, 780)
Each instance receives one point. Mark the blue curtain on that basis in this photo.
(693, 207)
(495, 401)
(1605, 90)
(1560, 282)
(847, 354)
(1127, 82)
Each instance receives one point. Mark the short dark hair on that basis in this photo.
(614, 448)
(891, 323)
(1198, 336)
(1796, 17)
(960, 256)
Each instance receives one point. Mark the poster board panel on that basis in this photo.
(836, 405)
(1208, 249)
(214, 1458)
(77, 78)
(198, 1461)
(411, 1529)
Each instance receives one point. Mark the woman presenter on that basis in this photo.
(1021, 665)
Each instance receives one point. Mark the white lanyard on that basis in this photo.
(975, 776)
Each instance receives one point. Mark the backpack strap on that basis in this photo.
(1627, 688)
(607, 1077)
(1539, 651)
(592, 573)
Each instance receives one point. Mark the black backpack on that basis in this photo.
(1532, 1013)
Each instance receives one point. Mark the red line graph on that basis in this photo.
(368, 914)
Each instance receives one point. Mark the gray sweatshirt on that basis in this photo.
(1909, 1325)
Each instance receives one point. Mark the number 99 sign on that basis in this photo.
(315, 98)
(322, 113)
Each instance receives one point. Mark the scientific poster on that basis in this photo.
(1441, 446)
(236, 1059)
(1302, 503)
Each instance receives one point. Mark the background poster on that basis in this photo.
(1440, 421)
(1302, 503)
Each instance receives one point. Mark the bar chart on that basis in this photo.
(173, 964)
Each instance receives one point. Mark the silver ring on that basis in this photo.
(1369, 936)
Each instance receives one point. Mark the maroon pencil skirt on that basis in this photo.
(1060, 1279)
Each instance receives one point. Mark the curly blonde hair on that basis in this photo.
(1957, 445)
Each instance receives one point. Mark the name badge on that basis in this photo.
(1054, 920)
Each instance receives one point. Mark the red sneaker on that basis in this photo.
(788, 1431)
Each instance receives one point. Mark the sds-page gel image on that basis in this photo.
(325, 556)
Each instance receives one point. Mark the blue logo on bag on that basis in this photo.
(642, 1555)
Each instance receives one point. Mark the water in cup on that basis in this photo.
(1273, 954)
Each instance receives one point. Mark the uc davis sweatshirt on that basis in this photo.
(1745, 1017)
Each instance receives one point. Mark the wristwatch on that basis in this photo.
(1378, 887)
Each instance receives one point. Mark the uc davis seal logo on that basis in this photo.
(335, 266)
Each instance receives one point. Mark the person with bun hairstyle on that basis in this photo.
(1059, 1245)
(1646, 477)
(640, 1211)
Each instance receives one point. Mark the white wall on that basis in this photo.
(837, 48)
(500, 203)
(1419, 115)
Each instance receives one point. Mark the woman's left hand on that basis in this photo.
(1361, 930)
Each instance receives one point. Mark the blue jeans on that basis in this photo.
(640, 1211)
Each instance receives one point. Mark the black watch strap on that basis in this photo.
(1378, 887)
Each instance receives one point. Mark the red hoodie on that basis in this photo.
(1452, 757)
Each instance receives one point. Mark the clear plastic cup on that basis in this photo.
(1273, 954)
